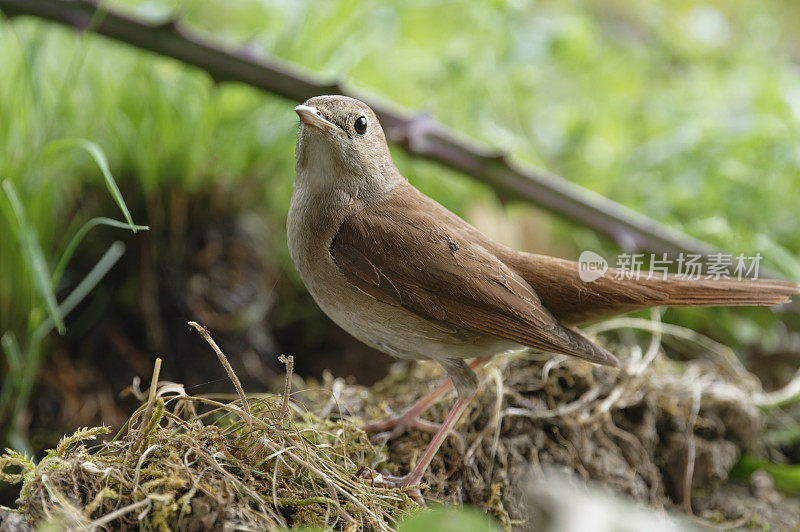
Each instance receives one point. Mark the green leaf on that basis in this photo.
(786, 477)
(783, 259)
(34, 256)
(13, 353)
(449, 519)
(15, 367)
(79, 236)
(95, 275)
(100, 159)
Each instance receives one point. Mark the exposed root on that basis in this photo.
(658, 430)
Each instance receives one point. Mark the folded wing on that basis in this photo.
(400, 254)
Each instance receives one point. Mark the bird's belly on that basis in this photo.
(391, 329)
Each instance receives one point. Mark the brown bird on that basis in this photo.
(408, 277)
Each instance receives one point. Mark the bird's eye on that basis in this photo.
(360, 125)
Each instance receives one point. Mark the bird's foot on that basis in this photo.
(395, 427)
(390, 429)
(408, 483)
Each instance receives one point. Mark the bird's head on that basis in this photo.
(340, 144)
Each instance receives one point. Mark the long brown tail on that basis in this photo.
(727, 292)
(574, 301)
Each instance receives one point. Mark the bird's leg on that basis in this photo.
(394, 427)
(466, 384)
(415, 476)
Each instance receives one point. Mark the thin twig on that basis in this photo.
(287, 385)
(224, 361)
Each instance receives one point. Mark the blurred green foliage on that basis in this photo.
(449, 519)
(686, 111)
(24, 356)
(443, 519)
(785, 476)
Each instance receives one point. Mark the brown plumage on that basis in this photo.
(407, 250)
(400, 251)
(573, 301)
(405, 275)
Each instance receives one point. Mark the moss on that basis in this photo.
(196, 462)
(281, 472)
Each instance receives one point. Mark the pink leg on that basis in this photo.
(415, 476)
(394, 427)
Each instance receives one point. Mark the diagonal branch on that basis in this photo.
(419, 135)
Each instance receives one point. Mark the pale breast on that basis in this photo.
(391, 329)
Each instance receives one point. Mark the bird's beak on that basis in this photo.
(311, 116)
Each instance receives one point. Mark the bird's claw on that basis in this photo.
(408, 483)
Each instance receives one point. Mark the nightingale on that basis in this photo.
(408, 277)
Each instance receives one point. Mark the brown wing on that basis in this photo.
(399, 252)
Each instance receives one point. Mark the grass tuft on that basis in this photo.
(45, 312)
(195, 462)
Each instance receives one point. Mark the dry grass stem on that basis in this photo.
(203, 331)
(287, 385)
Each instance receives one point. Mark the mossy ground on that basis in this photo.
(665, 433)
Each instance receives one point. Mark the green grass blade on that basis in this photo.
(34, 256)
(784, 260)
(15, 366)
(95, 275)
(12, 351)
(79, 236)
(102, 163)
